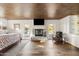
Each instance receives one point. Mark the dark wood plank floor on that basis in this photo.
(48, 48)
(13, 51)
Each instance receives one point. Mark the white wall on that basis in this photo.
(69, 37)
(64, 24)
(55, 22)
(3, 22)
(30, 22)
(21, 22)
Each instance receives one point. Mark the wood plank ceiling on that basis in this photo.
(39, 10)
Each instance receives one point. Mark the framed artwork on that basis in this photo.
(51, 28)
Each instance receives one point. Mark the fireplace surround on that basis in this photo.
(39, 32)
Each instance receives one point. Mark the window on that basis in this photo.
(17, 27)
(26, 29)
(74, 25)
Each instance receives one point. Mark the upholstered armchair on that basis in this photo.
(58, 37)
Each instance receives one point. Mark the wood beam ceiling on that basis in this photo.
(40, 10)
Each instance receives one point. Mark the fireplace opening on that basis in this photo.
(39, 32)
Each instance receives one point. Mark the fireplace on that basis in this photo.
(38, 32)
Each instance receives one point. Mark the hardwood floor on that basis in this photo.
(13, 51)
(48, 48)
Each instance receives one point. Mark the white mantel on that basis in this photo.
(39, 27)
